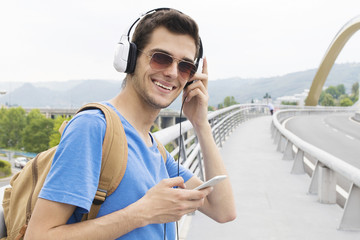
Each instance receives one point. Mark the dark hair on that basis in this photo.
(172, 20)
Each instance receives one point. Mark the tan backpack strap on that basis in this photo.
(62, 127)
(114, 156)
(161, 149)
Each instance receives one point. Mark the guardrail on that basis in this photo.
(320, 165)
(222, 121)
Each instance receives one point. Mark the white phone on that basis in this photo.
(211, 182)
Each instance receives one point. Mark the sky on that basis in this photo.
(48, 40)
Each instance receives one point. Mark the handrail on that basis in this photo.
(323, 181)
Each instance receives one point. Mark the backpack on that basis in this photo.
(20, 199)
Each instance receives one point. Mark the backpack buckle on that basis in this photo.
(100, 196)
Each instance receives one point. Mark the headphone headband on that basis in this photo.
(126, 51)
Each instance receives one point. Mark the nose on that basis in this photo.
(172, 70)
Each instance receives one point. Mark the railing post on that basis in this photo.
(298, 166)
(327, 185)
(313, 189)
(288, 153)
(281, 144)
(351, 216)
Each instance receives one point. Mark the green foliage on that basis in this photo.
(169, 147)
(5, 168)
(336, 96)
(267, 95)
(228, 101)
(36, 134)
(346, 102)
(55, 135)
(355, 89)
(341, 89)
(12, 123)
(154, 128)
(288, 103)
(333, 91)
(328, 100)
(30, 132)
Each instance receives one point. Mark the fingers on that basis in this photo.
(199, 85)
(165, 203)
(173, 182)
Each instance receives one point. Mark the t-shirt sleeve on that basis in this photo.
(74, 174)
(172, 168)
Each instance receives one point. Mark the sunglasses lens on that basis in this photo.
(160, 61)
(186, 69)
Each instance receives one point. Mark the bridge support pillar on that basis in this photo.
(327, 185)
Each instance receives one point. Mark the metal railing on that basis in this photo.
(320, 165)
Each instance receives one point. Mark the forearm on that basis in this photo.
(45, 225)
(110, 226)
(220, 203)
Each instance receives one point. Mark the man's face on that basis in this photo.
(159, 88)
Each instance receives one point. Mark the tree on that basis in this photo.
(55, 135)
(341, 89)
(267, 95)
(321, 98)
(229, 101)
(355, 92)
(328, 100)
(333, 91)
(36, 134)
(211, 108)
(346, 102)
(12, 123)
(355, 89)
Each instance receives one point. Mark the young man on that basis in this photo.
(145, 199)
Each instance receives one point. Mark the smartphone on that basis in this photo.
(211, 182)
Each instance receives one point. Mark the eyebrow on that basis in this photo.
(166, 52)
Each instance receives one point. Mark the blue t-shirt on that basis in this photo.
(75, 171)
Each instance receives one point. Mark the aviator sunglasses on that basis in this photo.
(161, 61)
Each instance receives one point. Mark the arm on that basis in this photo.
(161, 204)
(220, 204)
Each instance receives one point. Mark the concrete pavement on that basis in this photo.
(272, 204)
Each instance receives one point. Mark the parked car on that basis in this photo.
(20, 162)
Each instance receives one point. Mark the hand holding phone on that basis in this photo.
(213, 181)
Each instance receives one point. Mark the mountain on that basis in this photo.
(73, 94)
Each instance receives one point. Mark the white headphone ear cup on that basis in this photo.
(121, 56)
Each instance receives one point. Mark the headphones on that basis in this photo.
(126, 51)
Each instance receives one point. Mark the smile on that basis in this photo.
(163, 86)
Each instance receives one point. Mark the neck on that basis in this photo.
(139, 114)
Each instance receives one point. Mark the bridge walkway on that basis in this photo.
(272, 203)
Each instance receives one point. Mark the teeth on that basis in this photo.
(160, 85)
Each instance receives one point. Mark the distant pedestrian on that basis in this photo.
(271, 107)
